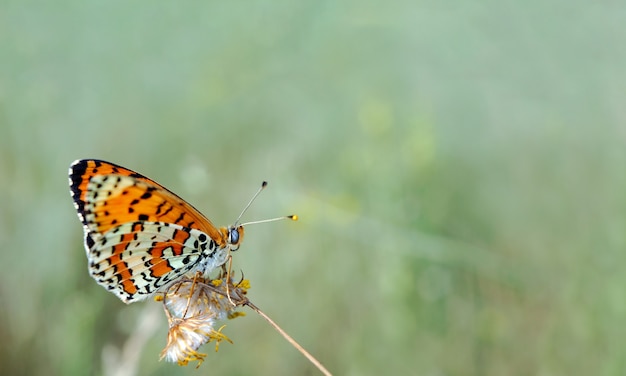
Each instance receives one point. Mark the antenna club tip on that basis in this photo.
(264, 184)
(293, 217)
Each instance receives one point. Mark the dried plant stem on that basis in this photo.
(293, 342)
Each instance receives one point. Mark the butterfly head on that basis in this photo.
(234, 237)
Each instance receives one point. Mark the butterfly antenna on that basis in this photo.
(293, 217)
(263, 185)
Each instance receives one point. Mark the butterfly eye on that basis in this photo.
(233, 236)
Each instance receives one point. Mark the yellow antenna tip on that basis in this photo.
(293, 217)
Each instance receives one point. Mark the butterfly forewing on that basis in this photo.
(106, 195)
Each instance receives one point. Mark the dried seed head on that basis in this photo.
(192, 307)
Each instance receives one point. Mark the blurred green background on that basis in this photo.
(458, 168)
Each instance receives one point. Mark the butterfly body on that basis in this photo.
(139, 236)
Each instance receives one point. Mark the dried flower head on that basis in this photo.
(192, 307)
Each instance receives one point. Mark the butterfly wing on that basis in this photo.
(135, 259)
(106, 195)
(139, 236)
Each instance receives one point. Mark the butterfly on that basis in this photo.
(139, 236)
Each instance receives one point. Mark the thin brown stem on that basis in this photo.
(292, 341)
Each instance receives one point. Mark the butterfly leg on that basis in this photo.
(191, 291)
(230, 265)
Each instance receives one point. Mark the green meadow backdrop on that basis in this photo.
(459, 170)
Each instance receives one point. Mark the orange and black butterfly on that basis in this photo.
(139, 236)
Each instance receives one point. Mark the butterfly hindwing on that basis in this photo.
(135, 259)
